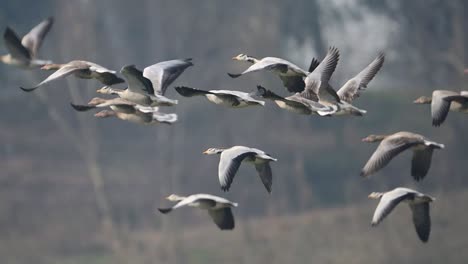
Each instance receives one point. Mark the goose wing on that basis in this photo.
(387, 203)
(293, 84)
(317, 81)
(421, 162)
(33, 40)
(136, 81)
(352, 88)
(184, 202)
(385, 152)
(421, 220)
(440, 105)
(223, 218)
(164, 73)
(229, 163)
(269, 65)
(265, 174)
(64, 71)
(14, 46)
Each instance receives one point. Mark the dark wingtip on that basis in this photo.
(225, 188)
(81, 108)
(164, 210)
(234, 75)
(28, 89)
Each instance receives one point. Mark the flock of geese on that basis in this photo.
(312, 95)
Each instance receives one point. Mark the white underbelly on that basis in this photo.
(302, 110)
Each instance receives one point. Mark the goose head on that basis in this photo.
(174, 198)
(212, 151)
(241, 57)
(373, 138)
(375, 195)
(423, 100)
(105, 113)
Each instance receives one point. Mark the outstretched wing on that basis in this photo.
(229, 164)
(164, 73)
(60, 73)
(352, 88)
(14, 46)
(223, 218)
(387, 203)
(385, 152)
(33, 40)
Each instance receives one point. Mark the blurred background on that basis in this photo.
(75, 189)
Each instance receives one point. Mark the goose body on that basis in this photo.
(81, 69)
(148, 87)
(296, 103)
(232, 99)
(23, 53)
(231, 159)
(290, 74)
(128, 111)
(392, 145)
(443, 101)
(418, 203)
(218, 208)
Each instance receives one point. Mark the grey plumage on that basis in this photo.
(418, 203)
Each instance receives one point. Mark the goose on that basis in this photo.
(116, 104)
(295, 103)
(148, 87)
(290, 74)
(231, 159)
(127, 111)
(233, 99)
(418, 203)
(353, 87)
(392, 145)
(342, 99)
(140, 116)
(442, 102)
(81, 69)
(23, 52)
(218, 208)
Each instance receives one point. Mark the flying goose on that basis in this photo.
(353, 87)
(140, 116)
(116, 104)
(23, 52)
(418, 203)
(392, 145)
(231, 159)
(233, 99)
(148, 87)
(127, 111)
(81, 69)
(218, 208)
(342, 99)
(290, 74)
(295, 103)
(442, 102)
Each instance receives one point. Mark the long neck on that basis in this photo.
(252, 59)
(52, 66)
(177, 198)
(376, 195)
(379, 138)
(109, 90)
